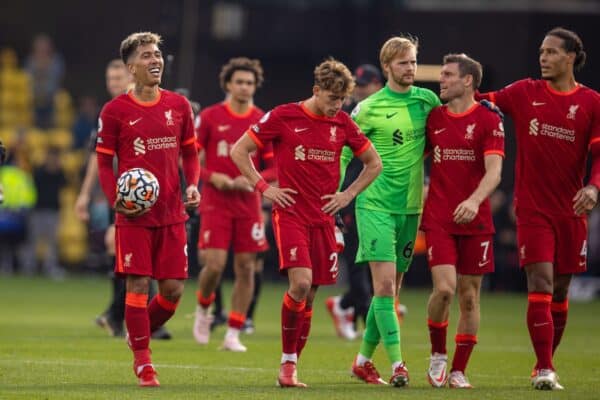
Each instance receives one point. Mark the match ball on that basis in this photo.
(137, 188)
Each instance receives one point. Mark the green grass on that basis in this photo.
(50, 349)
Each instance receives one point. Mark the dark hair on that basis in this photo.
(466, 66)
(241, 64)
(572, 44)
(130, 44)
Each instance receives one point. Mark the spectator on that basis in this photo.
(46, 69)
(85, 122)
(19, 197)
(43, 220)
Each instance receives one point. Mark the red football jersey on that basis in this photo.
(458, 145)
(307, 151)
(217, 130)
(554, 131)
(149, 135)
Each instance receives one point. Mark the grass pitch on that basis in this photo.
(50, 349)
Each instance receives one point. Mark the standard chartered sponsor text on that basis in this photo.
(558, 132)
(458, 155)
(161, 143)
(321, 155)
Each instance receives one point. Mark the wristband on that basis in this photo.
(261, 186)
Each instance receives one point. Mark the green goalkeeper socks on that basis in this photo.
(371, 336)
(389, 329)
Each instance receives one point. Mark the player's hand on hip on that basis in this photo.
(128, 212)
(336, 202)
(241, 183)
(81, 207)
(585, 199)
(280, 196)
(192, 197)
(221, 181)
(466, 211)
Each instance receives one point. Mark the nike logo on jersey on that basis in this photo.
(537, 103)
(483, 263)
(439, 131)
(390, 115)
(223, 128)
(538, 324)
(298, 130)
(132, 123)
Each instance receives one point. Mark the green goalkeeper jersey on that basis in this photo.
(395, 124)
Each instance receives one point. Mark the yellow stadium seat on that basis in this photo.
(36, 138)
(60, 138)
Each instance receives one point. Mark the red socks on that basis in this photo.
(464, 347)
(437, 336)
(292, 316)
(136, 320)
(541, 328)
(205, 302)
(160, 310)
(304, 330)
(236, 320)
(559, 313)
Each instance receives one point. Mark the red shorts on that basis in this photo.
(311, 247)
(245, 235)
(470, 254)
(561, 241)
(159, 252)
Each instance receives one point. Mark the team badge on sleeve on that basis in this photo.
(99, 125)
(355, 111)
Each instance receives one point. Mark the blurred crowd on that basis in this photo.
(47, 137)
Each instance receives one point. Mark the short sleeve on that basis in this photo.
(595, 125)
(188, 137)
(507, 98)
(493, 142)
(355, 138)
(109, 126)
(202, 128)
(359, 115)
(268, 129)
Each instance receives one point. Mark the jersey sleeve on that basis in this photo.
(268, 129)
(188, 136)
(202, 128)
(360, 116)
(355, 138)
(493, 142)
(109, 126)
(595, 143)
(507, 98)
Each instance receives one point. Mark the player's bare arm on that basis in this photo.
(240, 154)
(372, 168)
(83, 199)
(466, 211)
(241, 183)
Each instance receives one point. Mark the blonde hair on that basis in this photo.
(130, 44)
(334, 76)
(396, 46)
